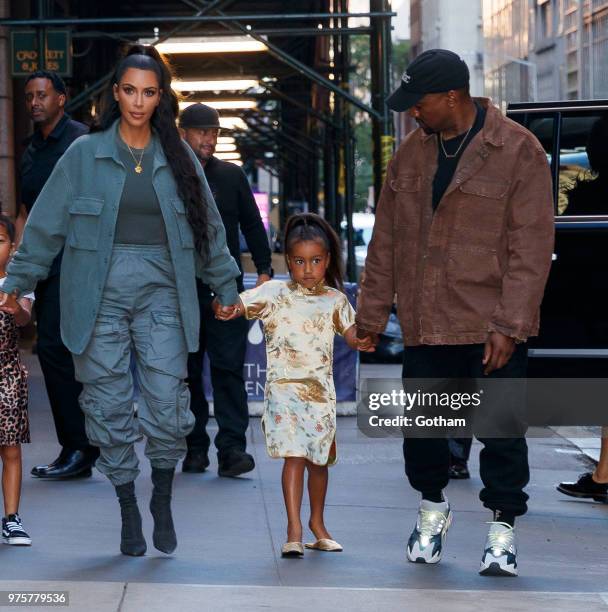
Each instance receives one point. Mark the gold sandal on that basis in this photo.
(292, 549)
(326, 545)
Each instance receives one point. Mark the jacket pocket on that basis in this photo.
(183, 226)
(493, 189)
(406, 190)
(474, 284)
(405, 183)
(481, 209)
(84, 224)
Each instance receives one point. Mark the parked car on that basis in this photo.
(573, 338)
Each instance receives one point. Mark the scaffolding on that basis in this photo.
(301, 127)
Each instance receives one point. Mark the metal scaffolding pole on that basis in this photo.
(98, 85)
(251, 17)
(382, 127)
(349, 159)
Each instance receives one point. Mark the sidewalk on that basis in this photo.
(230, 532)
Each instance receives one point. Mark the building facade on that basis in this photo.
(450, 24)
(545, 49)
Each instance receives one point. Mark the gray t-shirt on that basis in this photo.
(140, 220)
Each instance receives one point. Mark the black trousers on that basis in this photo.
(58, 369)
(225, 343)
(503, 461)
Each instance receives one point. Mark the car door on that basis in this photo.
(573, 338)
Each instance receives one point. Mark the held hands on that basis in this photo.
(361, 340)
(497, 351)
(226, 313)
(367, 341)
(9, 303)
(262, 278)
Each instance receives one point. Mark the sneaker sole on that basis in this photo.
(443, 541)
(495, 569)
(17, 541)
(597, 498)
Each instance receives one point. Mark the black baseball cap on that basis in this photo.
(433, 71)
(199, 116)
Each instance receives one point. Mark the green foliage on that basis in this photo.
(361, 87)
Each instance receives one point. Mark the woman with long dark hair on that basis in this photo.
(131, 208)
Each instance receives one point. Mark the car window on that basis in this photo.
(583, 165)
(543, 127)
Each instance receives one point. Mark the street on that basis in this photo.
(230, 532)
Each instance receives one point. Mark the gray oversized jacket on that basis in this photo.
(77, 210)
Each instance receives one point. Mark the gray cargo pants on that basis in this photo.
(139, 315)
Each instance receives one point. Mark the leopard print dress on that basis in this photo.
(14, 424)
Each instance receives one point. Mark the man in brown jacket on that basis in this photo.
(462, 242)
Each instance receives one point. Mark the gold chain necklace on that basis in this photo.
(138, 167)
(461, 144)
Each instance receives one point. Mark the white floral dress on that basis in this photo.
(300, 400)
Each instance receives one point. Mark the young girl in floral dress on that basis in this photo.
(301, 318)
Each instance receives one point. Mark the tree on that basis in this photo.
(361, 87)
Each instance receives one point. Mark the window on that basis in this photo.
(583, 167)
(545, 20)
(543, 127)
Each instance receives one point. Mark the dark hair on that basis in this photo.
(189, 186)
(53, 77)
(308, 226)
(9, 226)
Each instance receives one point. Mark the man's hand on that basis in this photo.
(226, 313)
(367, 340)
(9, 303)
(497, 352)
(262, 278)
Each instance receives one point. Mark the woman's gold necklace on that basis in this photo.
(138, 167)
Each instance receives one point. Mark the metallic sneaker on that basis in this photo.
(426, 542)
(500, 555)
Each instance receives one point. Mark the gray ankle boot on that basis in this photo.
(132, 540)
(164, 537)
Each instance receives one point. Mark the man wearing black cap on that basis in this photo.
(225, 342)
(54, 132)
(463, 237)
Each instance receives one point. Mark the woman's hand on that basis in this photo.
(227, 313)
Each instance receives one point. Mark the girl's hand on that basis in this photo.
(366, 341)
(355, 343)
(226, 313)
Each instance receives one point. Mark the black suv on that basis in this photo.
(573, 339)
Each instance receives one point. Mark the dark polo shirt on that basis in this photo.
(40, 158)
(238, 209)
(41, 155)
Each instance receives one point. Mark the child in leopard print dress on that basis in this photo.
(14, 426)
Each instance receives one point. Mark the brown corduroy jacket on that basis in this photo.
(480, 262)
